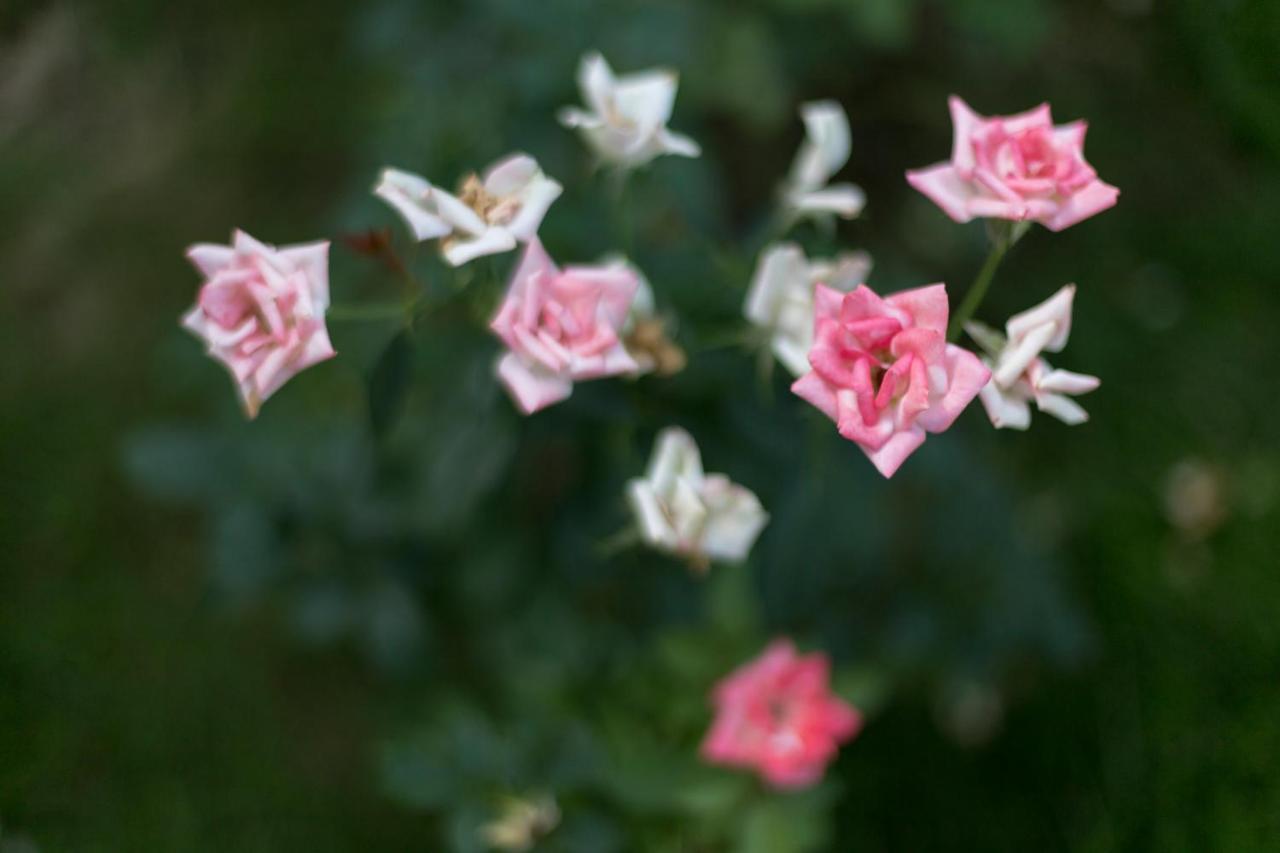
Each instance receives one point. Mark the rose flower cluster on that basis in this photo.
(887, 370)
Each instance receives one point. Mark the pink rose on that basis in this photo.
(562, 327)
(261, 311)
(883, 371)
(777, 714)
(1017, 167)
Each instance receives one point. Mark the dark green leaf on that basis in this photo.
(389, 383)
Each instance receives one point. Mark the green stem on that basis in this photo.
(622, 223)
(368, 313)
(737, 337)
(624, 539)
(1003, 236)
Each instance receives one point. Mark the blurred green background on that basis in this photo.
(309, 634)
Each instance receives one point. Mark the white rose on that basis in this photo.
(626, 120)
(680, 510)
(824, 152)
(780, 301)
(488, 216)
(1019, 375)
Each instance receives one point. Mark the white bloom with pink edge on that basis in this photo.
(489, 215)
(681, 510)
(1019, 375)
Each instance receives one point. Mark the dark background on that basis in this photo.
(307, 634)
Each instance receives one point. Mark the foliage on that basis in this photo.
(390, 604)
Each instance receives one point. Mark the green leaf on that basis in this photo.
(749, 77)
(786, 823)
(866, 687)
(389, 383)
(731, 604)
(714, 793)
(415, 776)
(393, 629)
(245, 553)
(179, 465)
(882, 23)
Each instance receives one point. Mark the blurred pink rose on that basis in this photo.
(261, 311)
(883, 371)
(561, 327)
(1016, 167)
(777, 714)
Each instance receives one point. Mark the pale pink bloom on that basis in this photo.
(261, 311)
(1018, 167)
(883, 371)
(1020, 375)
(778, 716)
(681, 510)
(561, 326)
(489, 215)
(626, 120)
(824, 152)
(780, 300)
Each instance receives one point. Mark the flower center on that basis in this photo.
(494, 210)
(1027, 160)
(778, 710)
(251, 311)
(649, 337)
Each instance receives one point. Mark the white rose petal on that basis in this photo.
(626, 120)
(681, 510)
(1018, 373)
(494, 215)
(824, 152)
(780, 300)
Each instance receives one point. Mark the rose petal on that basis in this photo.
(1005, 409)
(826, 146)
(966, 375)
(946, 188)
(1094, 198)
(311, 259)
(210, 259)
(964, 124)
(532, 388)
(538, 199)
(491, 241)
(844, 200)
(928, 306)
(1055, 311)
(1021, 353)
(652, 522)
(812, 389)
(890, 455)
(1066, 382)
(409, 195)
(1063, 408)
(780, 270)
(670, 142)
